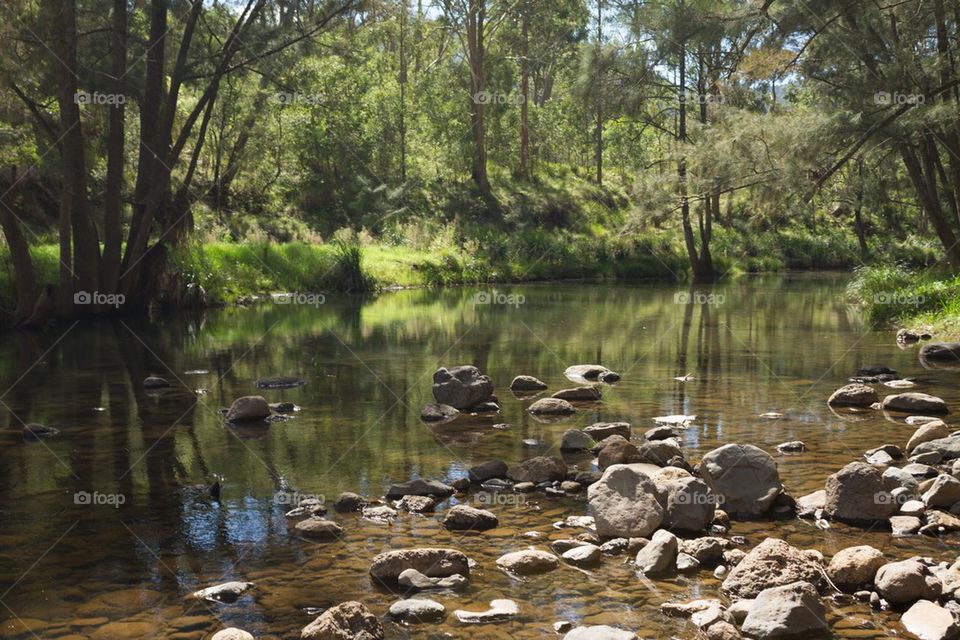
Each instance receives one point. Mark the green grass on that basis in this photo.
(897, 296)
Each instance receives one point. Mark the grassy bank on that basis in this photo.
(896, 296)
(445, 255)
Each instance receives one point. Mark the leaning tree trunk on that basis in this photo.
(25, 280)
(113, 198)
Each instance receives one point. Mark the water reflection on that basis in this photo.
(750, 347)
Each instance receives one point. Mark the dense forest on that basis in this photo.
(163, 150)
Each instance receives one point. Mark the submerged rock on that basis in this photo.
(413, 579)
(155, 382)
(417, 610)
(36, 431)
(528, 562)
(579, 394)
(346, 620)
(500, 609)
(438, 413)
(599, 632)
(280, 382)
(226, 592)
(432, 562)
(464, 518)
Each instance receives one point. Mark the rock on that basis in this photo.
(484, 407)
(527, 383)
(794, 446)
(659, 556)
(660, 452)
(155, 382)
(940, 351)
(740, 609)
(232, 633)
(432, 562)
(562, 626)
(609, 377)
(788, 611)
(602, 430)
(528, 562)
(576, 440)
(875, 370)
(661, 432)
(929, 621)
(772, 563)
(879, 458)
(624, 504)
(464, 518)
(853, 395)
(687, 502)
(585, 371)
(915, 402)
(570, 486)
(438, 413)
(379, 513)
(744, 475)
(461, 387)
(539, 469)
(599, 632)
(579, 394)
(939, 523)
(586, 555)
(417, 504)
(944, 492)
(857, 494)
(248, 408)
(226, 592)
(347, 502)
(686, 562)
(284, 407)
(417, 610)
(420, 487)
(413, 579)
(346, 621)
(920, 470)
(906, 581)
(723, 630)
(907, 336)
(499, 610)
(808, 505)
(707, 550)
(948, 447)
(551, 406)
(892, 451)
(616, 450)
(904, 525)
(35, 431)
(319, 529)
(524, 487)
(487, 471)
(894, 477)
(855, 567)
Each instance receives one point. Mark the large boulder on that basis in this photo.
(933, 430)
(857, 494)
(346, 621)
(789, 611)
(941, 351)
(853, 395)
(687, 502)
(487, 471)
(906, 581)
(943, 492)
(915, 402)
(855, 567)
(929, 621)
(746, 476)
(461, 387)
(617, 450)
(948, 447)
(772, 563)
(432, 562)
(248, 408)
(539, 469)
(624, 504)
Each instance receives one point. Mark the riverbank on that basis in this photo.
(233, 272)
(900, 297)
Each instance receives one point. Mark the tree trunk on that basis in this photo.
(524, 94)
(25, 280)
(113, 197)
(925, 185)
(403, 90)
(476, 16)
(598, 96)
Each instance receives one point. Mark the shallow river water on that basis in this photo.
(106, 529)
